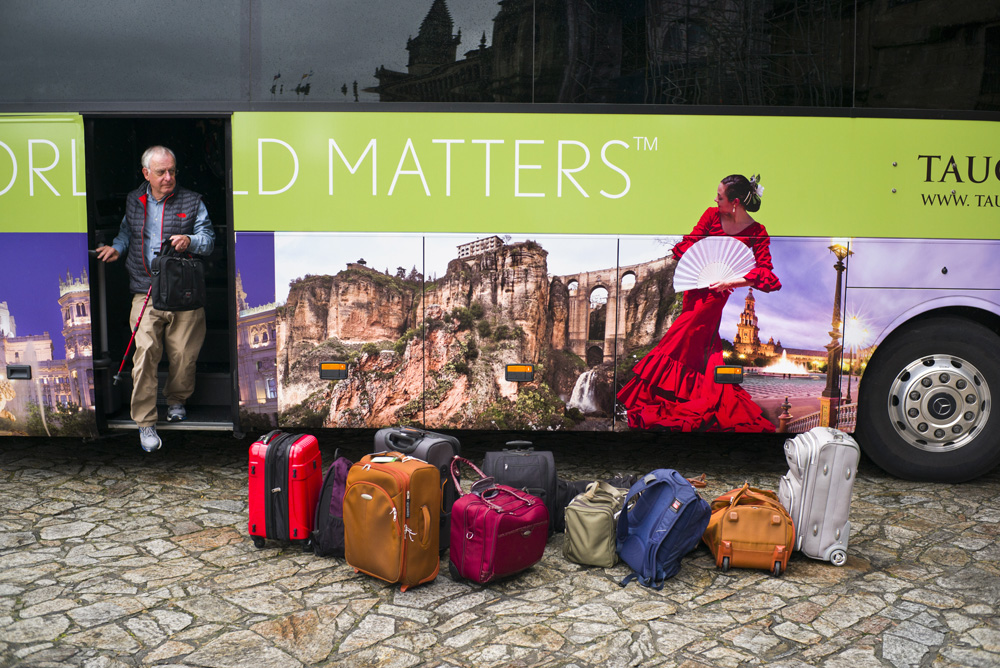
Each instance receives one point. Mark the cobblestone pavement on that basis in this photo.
(110, 557)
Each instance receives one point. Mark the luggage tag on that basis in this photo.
(384, 459)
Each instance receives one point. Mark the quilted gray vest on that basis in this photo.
(179, 212)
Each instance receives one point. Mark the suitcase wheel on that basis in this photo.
(725, 564)
(258, 542)
(838, 558)
(453, 571)
(776, 571)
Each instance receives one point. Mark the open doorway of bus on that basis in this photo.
(114, 147)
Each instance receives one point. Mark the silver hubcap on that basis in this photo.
(939, 403)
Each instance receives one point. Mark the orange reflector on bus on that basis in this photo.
(730, 374)
(333, 370)
(519, 373)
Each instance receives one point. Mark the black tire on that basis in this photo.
(925, 403)
(725, 564)
(258, 542)
(776, 571)
(453, 571)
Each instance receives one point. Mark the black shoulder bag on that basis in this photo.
(178, 280)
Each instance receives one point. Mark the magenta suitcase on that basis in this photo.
(496, 530)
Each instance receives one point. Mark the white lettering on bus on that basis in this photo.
(260, 166)
(447, 161)
(604, 159)
(399, 168)
(567, 167)
(72, 150)
(569, 172)
(487, 142)
(372, 146)
(13, 163)
(518, 167)
(33, 171)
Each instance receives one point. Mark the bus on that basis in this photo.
(489, 216)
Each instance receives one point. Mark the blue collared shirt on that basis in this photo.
(202, 238)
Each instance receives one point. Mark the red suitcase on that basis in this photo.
(496, 530)
(286, 478)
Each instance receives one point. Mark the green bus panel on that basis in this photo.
(603, 173)
(42, 173)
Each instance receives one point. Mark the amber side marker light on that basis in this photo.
(333, 370)
(729, 374)
(519, 373)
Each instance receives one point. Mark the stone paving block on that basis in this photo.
(309, 636)
(240, 649)
(370, 631)
(34, 630)
(988, 638)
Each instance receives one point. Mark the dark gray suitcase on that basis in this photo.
(816, 491)
(433, 448)
(522, 467)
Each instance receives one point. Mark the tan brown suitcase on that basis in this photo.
(749, 528)
(392, 509)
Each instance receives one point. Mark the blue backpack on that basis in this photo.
(662, 520)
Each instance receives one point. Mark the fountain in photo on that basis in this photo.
(785, 367)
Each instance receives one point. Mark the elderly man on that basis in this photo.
(155, 211)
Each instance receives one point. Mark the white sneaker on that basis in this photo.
(149, 439)
(176, 413)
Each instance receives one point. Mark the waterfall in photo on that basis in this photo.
(583, 392)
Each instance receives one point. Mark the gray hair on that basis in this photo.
(148, 154)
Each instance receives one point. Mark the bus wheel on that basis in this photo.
(925, 408)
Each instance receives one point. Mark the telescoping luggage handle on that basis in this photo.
(406, 439)
(484, 485)
(266, 438)
(520, 445)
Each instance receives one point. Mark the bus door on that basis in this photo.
(114, 147)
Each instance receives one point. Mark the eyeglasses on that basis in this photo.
(160, 172)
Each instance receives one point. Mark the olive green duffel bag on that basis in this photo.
(591, 518)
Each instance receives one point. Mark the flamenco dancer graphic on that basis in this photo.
(674, 386)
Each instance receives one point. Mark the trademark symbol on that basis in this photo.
(645, 143)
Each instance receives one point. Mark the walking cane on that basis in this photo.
(129, 347)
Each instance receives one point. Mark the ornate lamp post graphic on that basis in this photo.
(856, 339)
(829, 400)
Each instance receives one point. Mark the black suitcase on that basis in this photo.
(433, 448)
(522, 467)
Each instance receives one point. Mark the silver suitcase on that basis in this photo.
(816, 491)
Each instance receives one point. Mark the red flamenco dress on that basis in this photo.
(674, 386)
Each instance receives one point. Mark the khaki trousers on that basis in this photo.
(181, 334)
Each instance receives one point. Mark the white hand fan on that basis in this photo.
(710, 260)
